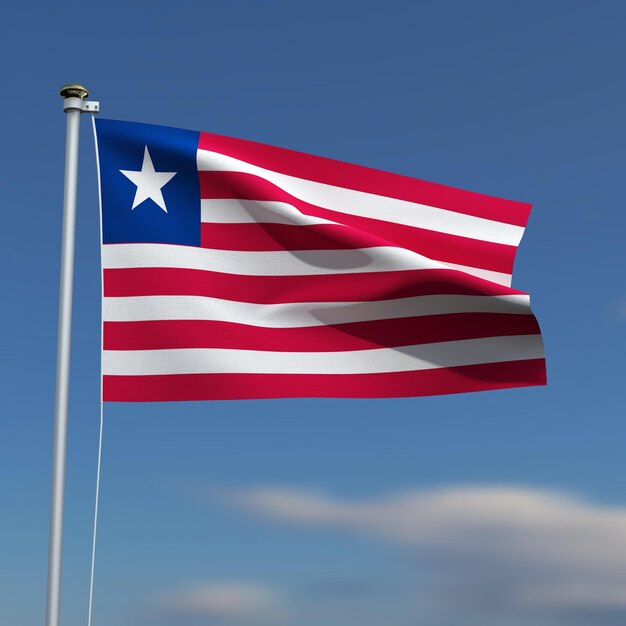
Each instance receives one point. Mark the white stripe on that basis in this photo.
(255, 211)
(301, 314)
(408, 358)
(495, 277)
(277, 263)
(370, 205)
(263, 263)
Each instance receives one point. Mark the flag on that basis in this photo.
(233, 269)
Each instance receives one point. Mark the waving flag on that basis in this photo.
(233, 269)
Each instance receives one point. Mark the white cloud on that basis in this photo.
(230, 602)
(531, 550)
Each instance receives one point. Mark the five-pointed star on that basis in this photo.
(149, 182)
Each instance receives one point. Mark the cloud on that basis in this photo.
(224, 602)
(495, 548)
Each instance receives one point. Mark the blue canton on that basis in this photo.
(121, 146)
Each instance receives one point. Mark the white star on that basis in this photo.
(149, 182)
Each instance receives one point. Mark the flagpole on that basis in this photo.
(74, 104)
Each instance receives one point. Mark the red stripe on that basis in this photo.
(175, 387)
(266, 237)
(359, 287)
(363, 231)
(366, 179)
(163, 334)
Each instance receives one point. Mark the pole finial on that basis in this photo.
(74, 91)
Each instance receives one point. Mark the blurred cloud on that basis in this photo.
(223, 603)
(505, 550)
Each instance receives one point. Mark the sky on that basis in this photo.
(504, 507)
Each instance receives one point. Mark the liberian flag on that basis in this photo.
(233, 269)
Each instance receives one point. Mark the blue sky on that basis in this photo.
(503, 508)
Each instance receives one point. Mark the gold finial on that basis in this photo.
(74, 91)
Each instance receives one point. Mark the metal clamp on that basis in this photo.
(84, 106)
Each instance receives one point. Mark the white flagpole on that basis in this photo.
(74, 104)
